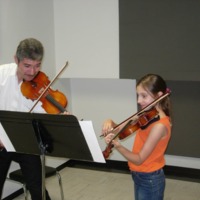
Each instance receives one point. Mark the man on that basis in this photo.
(28, 60)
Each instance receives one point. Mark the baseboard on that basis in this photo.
(182, 173)
(173, 172)
(113, 166)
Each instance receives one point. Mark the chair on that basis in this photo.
(49, 171)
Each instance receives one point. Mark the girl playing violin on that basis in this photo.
(146, 160)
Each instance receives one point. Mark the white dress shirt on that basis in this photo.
(11, 97)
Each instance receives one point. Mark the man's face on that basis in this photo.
(27, 69)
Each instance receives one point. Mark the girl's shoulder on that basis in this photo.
(163, 123)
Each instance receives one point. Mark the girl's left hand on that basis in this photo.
(109, 138)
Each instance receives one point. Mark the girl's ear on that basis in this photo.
(160, 94)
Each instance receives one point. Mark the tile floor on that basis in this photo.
(84, 184)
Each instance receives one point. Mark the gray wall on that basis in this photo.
(163, 37)
(160, 37)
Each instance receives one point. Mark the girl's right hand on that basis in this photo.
(108, 126)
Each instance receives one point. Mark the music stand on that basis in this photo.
(46, 134)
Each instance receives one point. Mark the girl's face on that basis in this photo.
(144, 97)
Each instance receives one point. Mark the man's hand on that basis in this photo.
(1, 145)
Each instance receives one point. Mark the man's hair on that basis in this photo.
(30, 48)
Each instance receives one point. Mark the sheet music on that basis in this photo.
(90, 136)
(5, 140)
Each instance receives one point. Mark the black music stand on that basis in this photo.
(46, 134)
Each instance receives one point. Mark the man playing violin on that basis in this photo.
(28, 60)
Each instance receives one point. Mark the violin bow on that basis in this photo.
(44, 91)
(140, 112)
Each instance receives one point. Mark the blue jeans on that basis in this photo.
(149, 186)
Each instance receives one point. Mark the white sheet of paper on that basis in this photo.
(5, 140)
(90, 136)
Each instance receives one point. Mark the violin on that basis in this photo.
(142, 122)
(140, 119)
(53, 101)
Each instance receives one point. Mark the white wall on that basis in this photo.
(101, 99)
(21, 19)
(87, 34)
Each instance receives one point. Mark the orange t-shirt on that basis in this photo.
(156, 159)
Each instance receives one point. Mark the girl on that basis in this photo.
(146, 160)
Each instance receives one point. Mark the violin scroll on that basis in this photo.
(108, 150)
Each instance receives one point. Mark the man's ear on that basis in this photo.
(16, 60)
